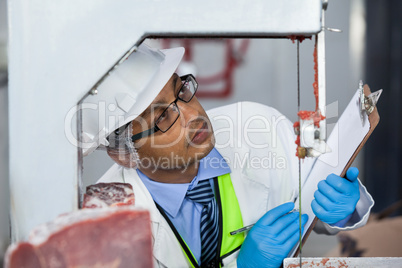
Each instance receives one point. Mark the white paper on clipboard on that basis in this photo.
(345, 138)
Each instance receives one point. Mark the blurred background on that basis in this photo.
(264, 70)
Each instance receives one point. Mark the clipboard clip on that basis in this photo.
(367, 103)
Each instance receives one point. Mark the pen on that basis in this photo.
(245, 228)
(248, 227)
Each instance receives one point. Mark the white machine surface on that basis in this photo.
(383, 262)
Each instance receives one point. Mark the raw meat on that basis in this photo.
(100, 237)
(298, 37)
(108, 194)
(316, 115)
(22, 255)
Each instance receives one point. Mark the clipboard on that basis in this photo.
(372, 121)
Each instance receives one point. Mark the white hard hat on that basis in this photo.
(126, 93)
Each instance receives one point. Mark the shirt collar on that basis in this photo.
(170, 196)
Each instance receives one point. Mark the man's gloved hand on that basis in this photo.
(271, 238)
(336, 197)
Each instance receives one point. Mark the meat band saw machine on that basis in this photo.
(311, 129)
(295, 19)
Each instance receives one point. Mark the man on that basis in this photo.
(203, 175)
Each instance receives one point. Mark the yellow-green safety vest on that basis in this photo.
(229, 220)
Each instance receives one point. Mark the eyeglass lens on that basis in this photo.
(171, 113)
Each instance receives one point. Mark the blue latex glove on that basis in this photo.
(336, 197)
(271, 238)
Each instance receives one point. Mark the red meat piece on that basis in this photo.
(111, 237)
(108, 194)
(22, 255)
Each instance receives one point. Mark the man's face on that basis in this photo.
(187, 141)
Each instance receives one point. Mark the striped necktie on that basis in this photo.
(203, 194)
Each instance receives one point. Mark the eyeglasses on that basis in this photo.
(171, 113)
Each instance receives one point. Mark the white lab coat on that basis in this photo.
(258, 144)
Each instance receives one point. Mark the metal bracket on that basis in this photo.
(367, 103)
